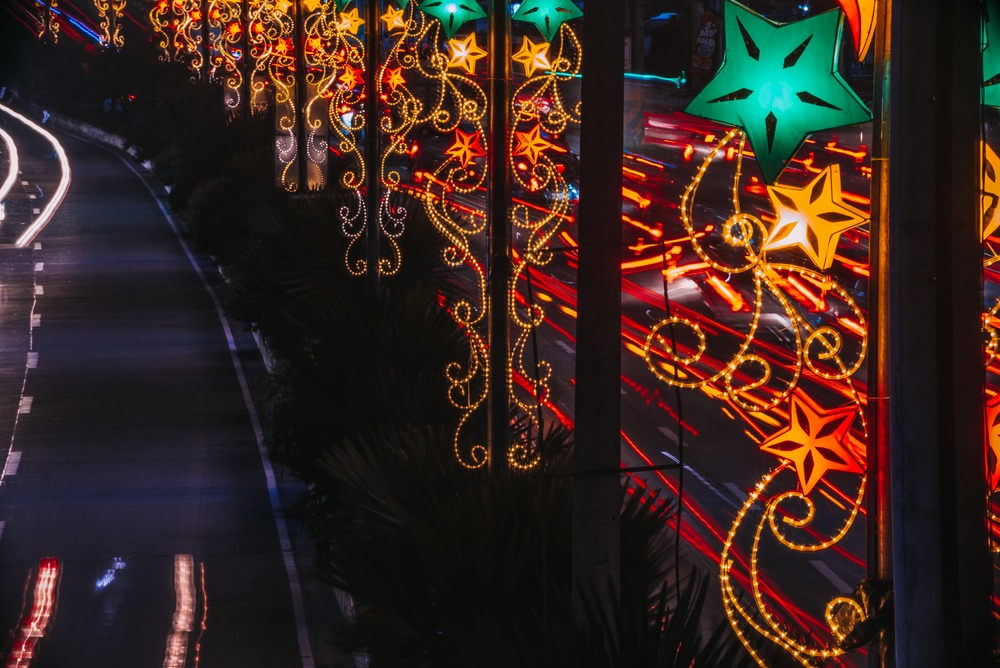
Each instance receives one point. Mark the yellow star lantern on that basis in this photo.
(393, 77)
(350, 21)
(812, 217)
(465, 53)
(993, 440)
(816, 440)
(530, 144)
(533, 56)
(990, 191)
(282, 7)
(393, 19)
(312, 5)
(467, 147)
(351, 77)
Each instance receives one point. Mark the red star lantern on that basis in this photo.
(467, 147)
(530, 144)
(393, 77)
(816, 441)
(351, 77)
(993, 440)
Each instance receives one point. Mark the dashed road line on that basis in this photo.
(2, 525)
(32, 361)
(39, 290)
(36, 320)
(740, 494)
(36, 211)
(566, 347)
(828, 573)
(702, 479)
(13, 462)
(38, 245)
(669, 433)
(39, 266)
(25, 406)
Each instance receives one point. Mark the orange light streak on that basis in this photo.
(726, 291)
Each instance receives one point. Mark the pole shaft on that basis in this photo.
(373, 229)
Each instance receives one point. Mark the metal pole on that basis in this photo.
(597, 500)
(302, 155)
(373, 227)
(499, 239)
(245, 60)
(206, 44)
(941, 553)
(879, 493)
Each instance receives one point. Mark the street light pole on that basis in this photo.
(499, 267)
(372, 202)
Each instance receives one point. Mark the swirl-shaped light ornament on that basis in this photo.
(109, 13)
(188, 35)
(226, 28)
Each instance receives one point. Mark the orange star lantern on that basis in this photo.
(816, 441)
(465, 53)
(393, 19)
(530, 144)
(350, 21)
(861, 18)
(812, 217)
(990, 191)
(351, 77)
(393, 77)
(993, 439)
(533, 56)
(467, 147)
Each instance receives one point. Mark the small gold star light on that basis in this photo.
(467, 147)
(312, 5)
(350, 21)
(990, 194)
(812, 217)
(465, 53)
(393, 19)
(533, 56)
(816, 441)
(530, 144)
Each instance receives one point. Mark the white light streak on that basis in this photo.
(183, 620)
(46, 215)
(15, 166)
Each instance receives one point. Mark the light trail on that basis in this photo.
(14, 167)
(60, 194)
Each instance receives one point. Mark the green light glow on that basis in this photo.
(991, 55)
(548, 15)
(779, 82)
(452, 14)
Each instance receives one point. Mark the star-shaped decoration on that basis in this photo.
(533, 56)
(861, 19)
(452, 14)
(990, 191)
(282, 7)
(312, 5)
(393, 77)
(812, 217)
(350, 21)
(779, 83)
(816, 441)
(393, 19)
(991, 55)
(548, 15)
(465, 53)
(351, 77)
(993, 440)
(530, 144)
(467, 147)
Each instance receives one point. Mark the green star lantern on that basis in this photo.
(991, 55)
(779, 82)
(548, 15)
(452, 14)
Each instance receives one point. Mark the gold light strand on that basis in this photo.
(187, 35)
(109, 14)
(226, 24)
(160, 21)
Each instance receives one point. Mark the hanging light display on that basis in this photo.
(109, 13)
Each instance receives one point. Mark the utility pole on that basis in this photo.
(597, 449)
(941, 569)
(499, 268)
(373, 228)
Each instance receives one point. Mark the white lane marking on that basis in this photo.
(24, 183)
(24, 407)
(566, 347)
(13, 462)
(39, 266)
(2, 525)
(32, 196)
(38, 245)
(12, 158)
(669, 433)
(36, 319)
(32, 360)
(294, 584)
(39, 290)
(740, 494)
(828, 573)
(36, 211)
(64, 180)
(701, 479)
(623, 391)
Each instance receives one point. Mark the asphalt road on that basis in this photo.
(132, 442)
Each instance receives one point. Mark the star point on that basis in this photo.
(816, 441)
(779, 83)
(452, 14)
(812, 217)
(467, 147)
(533, 56)
(547, 15)
(990, 192)
(465, 53)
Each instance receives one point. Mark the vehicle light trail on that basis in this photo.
(60, 194)
(14, 167)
